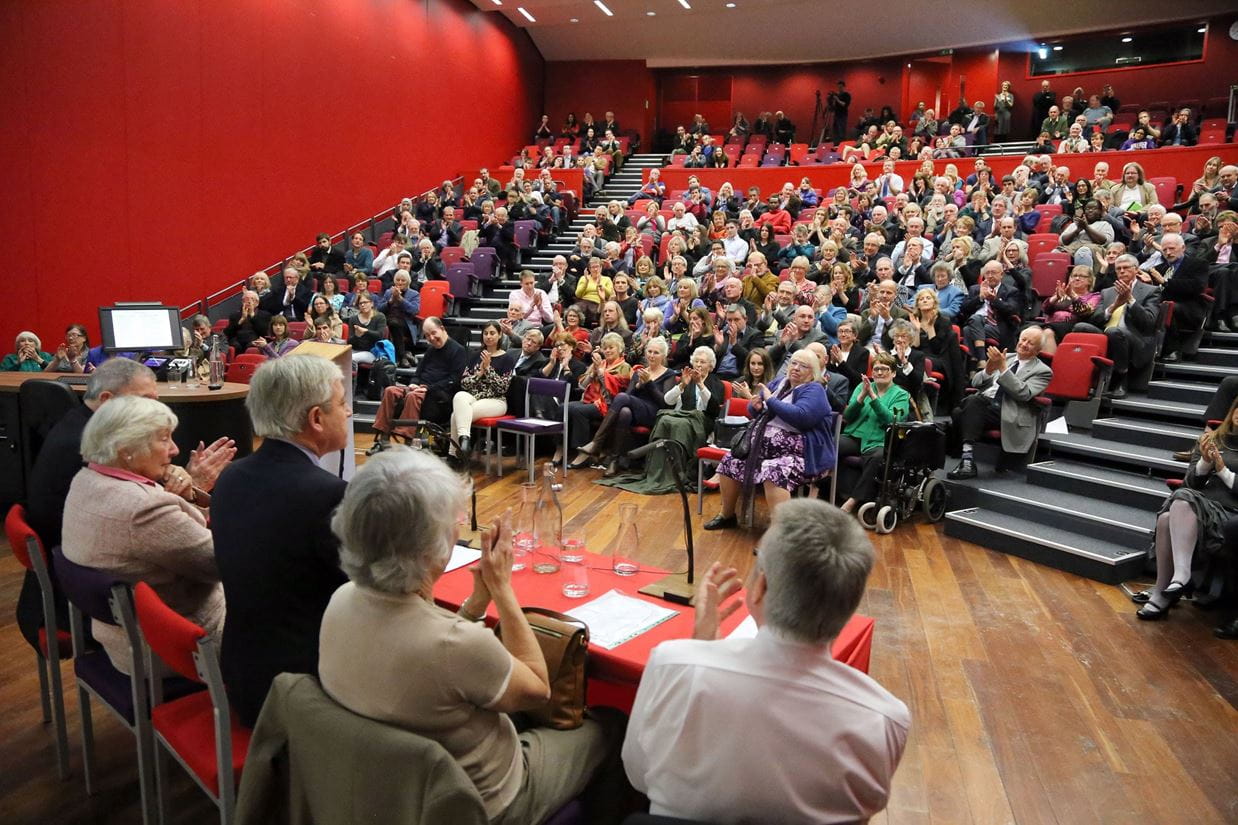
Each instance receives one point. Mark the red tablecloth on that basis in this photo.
(614, 674)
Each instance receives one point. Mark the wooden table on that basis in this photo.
(203, 415)
(614, 674)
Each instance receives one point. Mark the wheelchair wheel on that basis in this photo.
(867, 514)
(887, 519)
(933, 499)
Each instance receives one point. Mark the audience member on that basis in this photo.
(137, 516)
(429, 393)
(874, 405)
(276, 555)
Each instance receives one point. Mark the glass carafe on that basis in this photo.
(627, 541)
(547, 524)
(523, 542)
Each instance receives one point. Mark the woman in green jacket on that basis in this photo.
(875, 405)
(27, 355)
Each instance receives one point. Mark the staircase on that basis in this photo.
(1089, 504)
(492, 304)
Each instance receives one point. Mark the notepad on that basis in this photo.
(462, 555)
(615, 617)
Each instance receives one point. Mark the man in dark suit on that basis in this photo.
(1007, 399)
(291, 300)
(277, 557)
(735, 340)
(529, 360)
(1041, 101)
(1179, 132)
(1182, 279)
(446, 231)
(990, 309)
(247, 324)
(500, 233)
(326, 258)
(1127, 317)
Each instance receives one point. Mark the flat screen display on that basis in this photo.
(140, 328)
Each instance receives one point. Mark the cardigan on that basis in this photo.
(808, 411)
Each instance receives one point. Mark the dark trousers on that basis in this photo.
(976, 414)
(1121, 344)
(871, 470)
(580, 420)
(1219, 406)
(625, 412)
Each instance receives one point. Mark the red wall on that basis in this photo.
(596, 86)
(156, 150)
(1185, 164)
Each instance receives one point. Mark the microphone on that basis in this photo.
(641, 452)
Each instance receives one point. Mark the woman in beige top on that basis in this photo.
(132, 513)
(388, 652)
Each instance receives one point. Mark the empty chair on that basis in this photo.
(436, 300)
(1080, 374)
(1166, 189)
(1048, 270)
(485, 264)
(198, 729)
(54, 644)
(451, 254)
(1048, 211)
(531, 426)
(1038, 243)
(41, 403)
(460, 277)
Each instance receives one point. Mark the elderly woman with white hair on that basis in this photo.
(692, 408)
(130, 512)
(27, 355)
(605, 378)
(791, 441)
(388, 652)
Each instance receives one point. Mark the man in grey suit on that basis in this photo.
(1127, 317)
(1006, 399)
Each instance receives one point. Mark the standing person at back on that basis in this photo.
(771, 728)
(277, 557)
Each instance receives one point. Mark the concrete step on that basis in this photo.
(1187, 392)
(1082, 446)
(1060, 548)
(1115, 522)
(1100, 483)
(1223, 339)
(1148, 433)
(1177, 411)
(1219, 356)
(1195, 370)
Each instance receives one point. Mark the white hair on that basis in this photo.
(396, 522)
(708, 354)
(283, 391)
(125, 426)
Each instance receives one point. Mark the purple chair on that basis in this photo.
(530, 427)
(485, 264)
(526, 237)
(460, 276)
(97, 595)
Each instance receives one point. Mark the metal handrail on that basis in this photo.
(202, 305)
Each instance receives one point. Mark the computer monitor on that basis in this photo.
(140, 328)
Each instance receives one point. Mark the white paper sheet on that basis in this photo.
(461, 555)
(747, 629)
(614, 618)
(1057, 425)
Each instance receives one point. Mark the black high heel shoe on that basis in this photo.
(1175, 591)
(1151, 613)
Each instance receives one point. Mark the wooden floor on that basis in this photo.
(1036, 696)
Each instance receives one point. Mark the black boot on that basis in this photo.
(965, 469)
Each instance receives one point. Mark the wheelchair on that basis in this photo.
(913, 451)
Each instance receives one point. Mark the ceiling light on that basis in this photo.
(602, 7)
(498, 2)
(1201, 29)
(1042, 52)
(651, 14)
(1127, 39)
(1057, 48)
(684, 3)
(526, 14)
(730, 5)
(574, 20)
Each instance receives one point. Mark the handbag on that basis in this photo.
(741, 444)
(565, 644)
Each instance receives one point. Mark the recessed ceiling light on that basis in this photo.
(1201, 29)
(603, 8)
(1057, 48)
(526, 14)
(651, 14)
(1127, 39)
(498, 2)
(730, 5)
(684, 3)
(574, 20)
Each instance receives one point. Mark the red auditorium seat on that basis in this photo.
(1041, 242)
(435, 298)
(1048, 270)
(1166, 190)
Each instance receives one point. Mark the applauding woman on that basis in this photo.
(874, 406)
(27, 355)
(606, 377)
(483, 387)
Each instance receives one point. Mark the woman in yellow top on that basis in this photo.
(592, 289)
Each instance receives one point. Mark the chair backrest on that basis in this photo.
(434, 297)
(1166, 189)
(485, 263)
(22, 539)
(171, 636)
(258, 358)
(239, 372)
(87, 589)
(1041, 242)
(526, 234)
(549, 387)
(451, 255)
(737, 406)
(41, 403)
(1048, 270)
(1096, 339)
(460, 276)
(1074, 372)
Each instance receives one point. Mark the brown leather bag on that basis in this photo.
(565, 644)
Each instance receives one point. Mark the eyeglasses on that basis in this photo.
(882, 369)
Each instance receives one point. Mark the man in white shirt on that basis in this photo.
(736, 247)
(681, 219)
(889, 183)
(770, 728)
